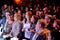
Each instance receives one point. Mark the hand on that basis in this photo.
(22, 30)
(32, 30)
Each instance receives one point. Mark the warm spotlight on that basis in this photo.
(18, 1)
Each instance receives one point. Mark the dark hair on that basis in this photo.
(25, 20)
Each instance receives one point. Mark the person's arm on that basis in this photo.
(23, 28)
(5, 26)
(32, 29)
(49, 36)
(36, 28)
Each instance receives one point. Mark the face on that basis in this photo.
(5, 6)
(32, 19)
(54, 24)
(36, 8)
(54, 16)
(41, 13)
(19, 11)
(7, 14)
(22, 8)
(15, 16)
(38, 23)
(47, 19)
(45, 10)
(37, 13)
(23, 15)
(54, 8)
(27, 15)
(38, 5)
(26, 9)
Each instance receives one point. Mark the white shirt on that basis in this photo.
(27, 32)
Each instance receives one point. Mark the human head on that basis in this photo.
(41, 23)
(8, 15)
(55, 24)
(33, 18)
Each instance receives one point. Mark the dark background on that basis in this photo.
(2, 2)
(10, 2)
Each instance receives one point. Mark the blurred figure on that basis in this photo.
(8, 24)
(56, 32)
(12, 9)
(38, 31)
(32, 19)
(41, 14)
(4, 9)
(45, 10)
(26, 9)
(42, 32)
(15, 16)
(26, 29)
(8, 16)
(8, 27)
(16, 27)
(48, 19)
(55, 25)
(54, 17)
(19, 11)
(27, 16)
(32, 27)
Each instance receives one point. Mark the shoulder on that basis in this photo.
(46, 31)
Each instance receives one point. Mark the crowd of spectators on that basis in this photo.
(32, 21)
